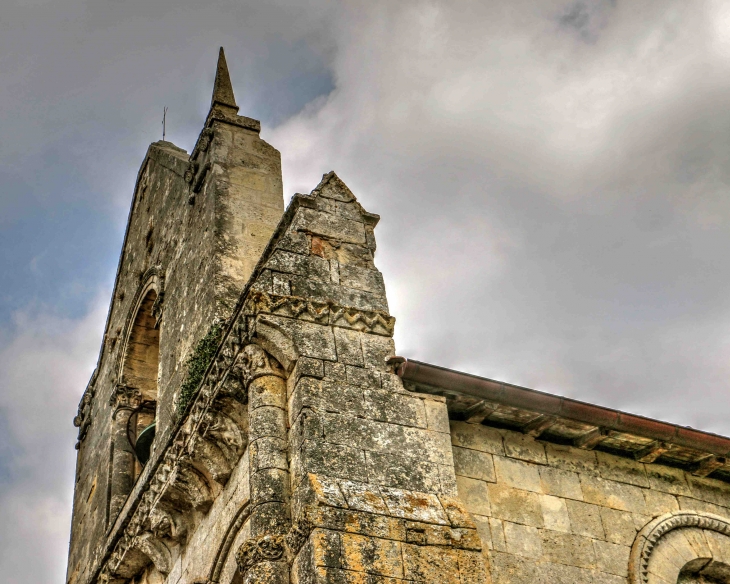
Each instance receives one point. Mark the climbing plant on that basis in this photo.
(197, 364)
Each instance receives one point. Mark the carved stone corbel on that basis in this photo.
(188, 487)
(219, 444)
(83, 418)
(156, 550)
(168, 524)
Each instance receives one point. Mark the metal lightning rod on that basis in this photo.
(164, 118)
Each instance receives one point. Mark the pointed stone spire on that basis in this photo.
(223, 90)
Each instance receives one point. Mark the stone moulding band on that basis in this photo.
(652, 533)
(327, 313)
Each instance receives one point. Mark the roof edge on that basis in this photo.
(546, 403)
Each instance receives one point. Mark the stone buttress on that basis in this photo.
(371, 469)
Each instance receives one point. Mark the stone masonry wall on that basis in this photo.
(549, 513)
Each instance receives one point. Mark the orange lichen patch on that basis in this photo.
(321, 248)
(371, 554)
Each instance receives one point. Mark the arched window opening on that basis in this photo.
(140, 371)
(134, 402)
(704, 571)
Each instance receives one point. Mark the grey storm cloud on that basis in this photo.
(552, 179)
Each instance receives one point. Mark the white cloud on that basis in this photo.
(44, 366)
(552, 184)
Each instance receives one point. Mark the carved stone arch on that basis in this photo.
(683, 546)
(152, 282)
(224, 566)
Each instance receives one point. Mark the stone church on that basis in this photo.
(249, 420)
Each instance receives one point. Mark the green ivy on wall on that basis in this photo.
(197, 364)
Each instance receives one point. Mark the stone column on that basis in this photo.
(124, 400)
(262, 559)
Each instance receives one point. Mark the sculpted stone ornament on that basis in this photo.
(273, 547)
(124, 396)
(83, 418)
(371, 321)
(254, 551)
(255, 363)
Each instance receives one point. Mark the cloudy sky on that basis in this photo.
(552, 178)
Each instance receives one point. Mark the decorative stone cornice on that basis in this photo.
(176, 478)
(650, 536)
(369, 321)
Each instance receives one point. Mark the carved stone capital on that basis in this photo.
(271, 548)
(253, 362)
(254, 551)
(125, 396)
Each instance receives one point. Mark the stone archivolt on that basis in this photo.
(701, 542)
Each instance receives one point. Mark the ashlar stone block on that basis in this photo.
(585, 519)
(568, 549)
(475, 495)
(514, 505)
(623, 470)
(555, 513)
(430, 564)
(477, 437)
(524, 447)
(613, 494)
(523, 540)
(560, 483)
(572, 459)
(474, 464)
(371, 555)
(517, 474)
(612, 558)
(620, 526)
